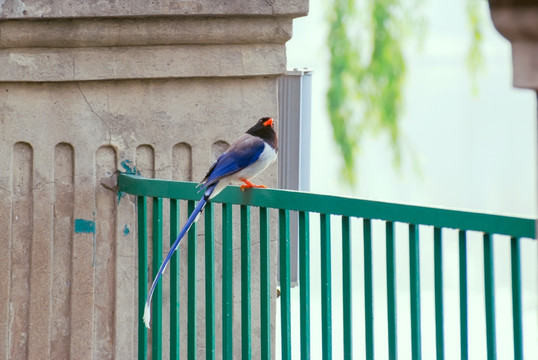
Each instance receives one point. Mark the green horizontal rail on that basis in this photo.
(298, 201)
(285, 201)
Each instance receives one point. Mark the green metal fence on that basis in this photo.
(307, 205)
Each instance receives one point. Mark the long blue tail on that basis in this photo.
(191, 220)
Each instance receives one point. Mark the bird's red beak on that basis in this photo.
(268, 122)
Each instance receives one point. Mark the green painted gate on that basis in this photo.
(151, 192)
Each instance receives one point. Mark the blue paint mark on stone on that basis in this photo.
(120, 195)
(84, 226)
(129, 167)
(126, 230)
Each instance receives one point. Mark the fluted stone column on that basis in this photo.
(90, 88)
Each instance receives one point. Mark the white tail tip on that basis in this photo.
(147, 315)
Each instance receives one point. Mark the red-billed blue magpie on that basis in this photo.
(246, 157)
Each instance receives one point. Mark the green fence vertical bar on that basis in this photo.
(142, 275)
(304, 282)
(391, 291)
(347, 289)
(245, 284)
(489, 284)
(285, 316)
(174, 282)
(414, 275)
(227, 283)
(265, 285)
(464, 324)
(438, 270)
(209, 283)
(156, 330)
(191, 299)
(516, 298)
(326, 300)
(368, 289)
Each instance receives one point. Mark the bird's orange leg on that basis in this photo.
(249, 185)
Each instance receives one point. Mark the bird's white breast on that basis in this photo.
(267, 157)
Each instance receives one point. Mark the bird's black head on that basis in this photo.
(264, 129)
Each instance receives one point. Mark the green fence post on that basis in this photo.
(174, 282)
(209, 283)
(142, 275)
(285, 317)
(489, 282)
(347, 289)
(391, 291)
(414, 275)
(265, 284)
(192, 298)
(439, 317)
(304, 282)
(326, 300)
(227, 283)
(368, 289)
(464, 325)
(245, 283)
(516, 298)
(156, 330)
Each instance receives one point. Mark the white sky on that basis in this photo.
(474, 153)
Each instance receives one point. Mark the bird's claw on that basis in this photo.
(249, 185)
(243, 187)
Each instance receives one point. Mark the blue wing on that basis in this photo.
(241, 154)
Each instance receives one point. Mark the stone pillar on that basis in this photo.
(90, 88)
(517, 20)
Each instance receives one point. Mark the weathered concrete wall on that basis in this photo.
(78, 96)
